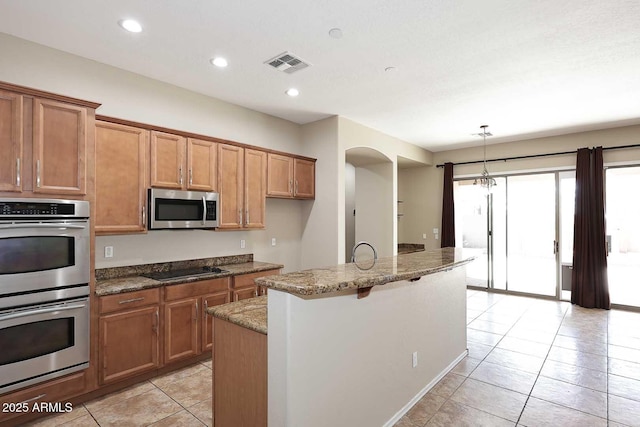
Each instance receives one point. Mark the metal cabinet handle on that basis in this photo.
(128, 301)
(247, 218)
(157, 322)
(144, 216)
(38, 173)
(290, 186)
(34, 398)
(296, 192)
(180, 174)
(255, 293)
(196, 313)
(240, 213)
(18, 172)
(190, 176)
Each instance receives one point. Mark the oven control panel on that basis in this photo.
(44, 208)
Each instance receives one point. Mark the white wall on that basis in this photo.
(374, 207)
(342, 361)
(133, 97)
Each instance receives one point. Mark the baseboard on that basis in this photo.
(425, 390)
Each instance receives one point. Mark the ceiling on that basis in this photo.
(526, 68)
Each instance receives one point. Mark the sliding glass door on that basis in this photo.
(516, 230)
(623, 234)
(531, 234)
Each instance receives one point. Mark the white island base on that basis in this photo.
(336, 360)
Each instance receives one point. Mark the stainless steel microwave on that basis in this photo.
(175, 209)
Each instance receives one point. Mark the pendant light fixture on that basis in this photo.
(486, 181)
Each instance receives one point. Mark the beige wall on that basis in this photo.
(424, 215)
(133, 97)
(374, 208)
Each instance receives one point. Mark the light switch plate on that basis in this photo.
(243, 244)
(273, 241)
(108, 251)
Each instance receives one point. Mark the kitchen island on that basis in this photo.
(355, 344)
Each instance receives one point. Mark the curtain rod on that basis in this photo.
(531, 156)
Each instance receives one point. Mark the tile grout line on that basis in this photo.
(541, 367)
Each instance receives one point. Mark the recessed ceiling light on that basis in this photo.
(336, 33)
(388, 69)
(130, 25)
(292, 92)
(219, 61)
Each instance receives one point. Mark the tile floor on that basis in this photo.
(536, 362)
(531, 363)
(180, 398)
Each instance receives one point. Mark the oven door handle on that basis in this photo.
(42, 311)
(58, 226)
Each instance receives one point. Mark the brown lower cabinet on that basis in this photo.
(185, 316)
(58, 391)
(243, 285)
(239, 376)
(129, 334)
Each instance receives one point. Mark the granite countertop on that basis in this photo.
(109, 285)
(249, 313)
(365, 274)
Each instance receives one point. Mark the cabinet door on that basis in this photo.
(167, 160)
(121, 184)
(255, 188)
(244, 293)
(230, 185)
(11, 141)
(128, 343)
(304, 179)
(279, 176)
(207, 320)
(59, 147)
(180, 329)
(202, 165)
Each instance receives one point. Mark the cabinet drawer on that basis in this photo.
(58, 390)
(129, 300)
(194, 289)
(247, 280)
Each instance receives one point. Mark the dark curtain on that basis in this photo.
(589, 282)
(448, 218)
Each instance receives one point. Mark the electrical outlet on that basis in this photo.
(108, 251)
(273, 241)
(243, 243)
(424, 236)
(415, 359)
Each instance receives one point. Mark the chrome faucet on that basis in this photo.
(353, 252)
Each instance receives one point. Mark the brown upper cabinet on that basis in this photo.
(290, 177)
(182, 163)
(44, 143)
(59, 147)
(242, 177)
(11, 142)
(122, 159)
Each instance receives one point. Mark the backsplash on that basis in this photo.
(136, 270)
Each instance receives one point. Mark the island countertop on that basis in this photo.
(366, 274)
(249, 313)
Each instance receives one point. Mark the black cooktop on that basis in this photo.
(187, 272)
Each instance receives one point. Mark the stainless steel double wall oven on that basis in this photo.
(44, 290)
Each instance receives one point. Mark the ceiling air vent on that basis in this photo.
(287, 62)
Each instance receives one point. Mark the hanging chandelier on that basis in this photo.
(486, 181)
